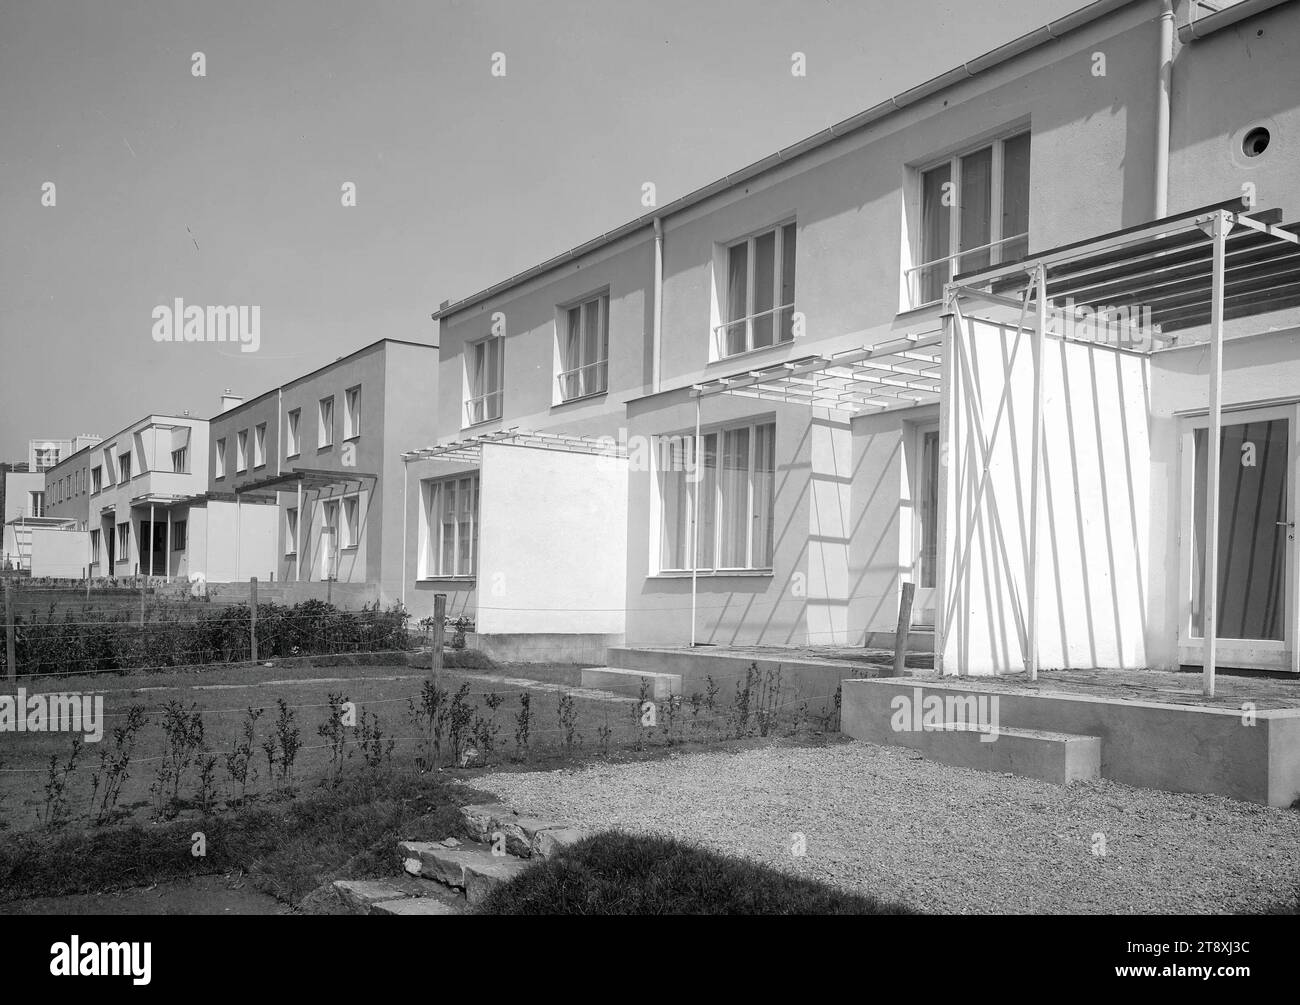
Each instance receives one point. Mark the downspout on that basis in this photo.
(1163, 87)
(406, 470)
(657, 324)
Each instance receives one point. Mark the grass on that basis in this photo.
(616, 873)
(287, 849)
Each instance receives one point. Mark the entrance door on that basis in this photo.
(926, 510)
(1256, 587)
(329, 534)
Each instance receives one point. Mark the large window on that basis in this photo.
(181, 460)
(974, 213)
(733, 473)
(124, 540)
(293, 444)
(484, 378)
(36, 503)
(758, 300)
(449, 527)
(123, 468)
(584, 350)
(94, 547)
(178, 535)
(352, 412)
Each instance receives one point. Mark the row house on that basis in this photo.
(320, 452)
(737, 419)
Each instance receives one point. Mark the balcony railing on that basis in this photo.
(925, 282)
(483, 408)
(755, 331)
(593, 378)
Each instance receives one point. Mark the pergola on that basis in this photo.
(1192, 270)
(296, 480)
(470, 449)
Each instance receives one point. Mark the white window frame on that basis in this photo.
(241, 451)
(432, 528)
(94, 547)
(718, 350)
(180, 535)
(293, 432)
(913, 273)
(352, 413)
(36, 502)
(259, 445)
(694, 483)
(350, 526)
(582, 378)
(181, 460)
(488, 405)
(291, 517)
(124, 468)
(324, 426)
(124, 541)
(219, 461)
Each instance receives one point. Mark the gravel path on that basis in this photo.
(881, 821)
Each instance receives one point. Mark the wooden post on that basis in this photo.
(439, 616)
(252, 605)
(11, 663)
(1035, 469)
(1210, 597)
(904, 627)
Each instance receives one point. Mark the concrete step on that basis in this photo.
(472, 868)
(659, 685)
(398, 895)
(525, 837)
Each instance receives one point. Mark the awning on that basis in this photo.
(901, 373)
(470, 450)
(308, 478)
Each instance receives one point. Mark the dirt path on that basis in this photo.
(205, 895)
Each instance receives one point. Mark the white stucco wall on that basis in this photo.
(62, 553)
(552, 541)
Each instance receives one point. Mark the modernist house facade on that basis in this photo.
(322, 452)
(25, 500)
(779, 356)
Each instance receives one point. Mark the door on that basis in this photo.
(926, 537)
(1256, 587)
(329, 534)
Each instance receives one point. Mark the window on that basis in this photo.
(351, 527)
(758, 303)
(259, 445)
(178, 535)
(325, 423)
(241, 451)
(123, 468)
(96, 479)
(123, 540)
(58, 491)
(36, 503)
(975, 236)
(352, 412)
(584, 350)
(291, 530)
(449, 527)
(94, 547)
(292, 444)
(181, 460)
(220, 459)
(736, 482)
(484, 374)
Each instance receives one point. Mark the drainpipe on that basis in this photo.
(406, 471)
(657, 330)
(1166, 71)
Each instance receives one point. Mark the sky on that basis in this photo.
(227, 188)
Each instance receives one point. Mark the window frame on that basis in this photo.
(259, 446)
(350, 527)
(718, 347)
(352, 413)
(692, 484)
(181, 464)
(124, 541)
(293, 432)
(241, 452)
(291, 517)
(432, 541)
(219, 459)
(324, 429)
(124, 473)
(568, 368)
(497, 394)
(996, 144)
(180, 533)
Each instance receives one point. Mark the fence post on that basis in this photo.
(141, 605)
(252, 603)
(11, 663)
(904, 627)
(439, 616)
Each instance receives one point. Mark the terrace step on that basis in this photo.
(400, 895)
(620, 681)
(525, 837)
(1033, 753)
(473, 869)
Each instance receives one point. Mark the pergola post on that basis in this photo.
(1218, 233)
(297, 539)
(946, 399)
(151, 526)
(1035, 468)
(167, 557)
(695, 519)
(239, 523)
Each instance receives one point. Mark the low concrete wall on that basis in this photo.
(815, 683)
(537, 647)
(343, 595)
(1178, 748)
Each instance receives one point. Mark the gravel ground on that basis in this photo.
(882, 821)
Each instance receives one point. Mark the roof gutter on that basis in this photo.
(1211, 23)
(1025, 43)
